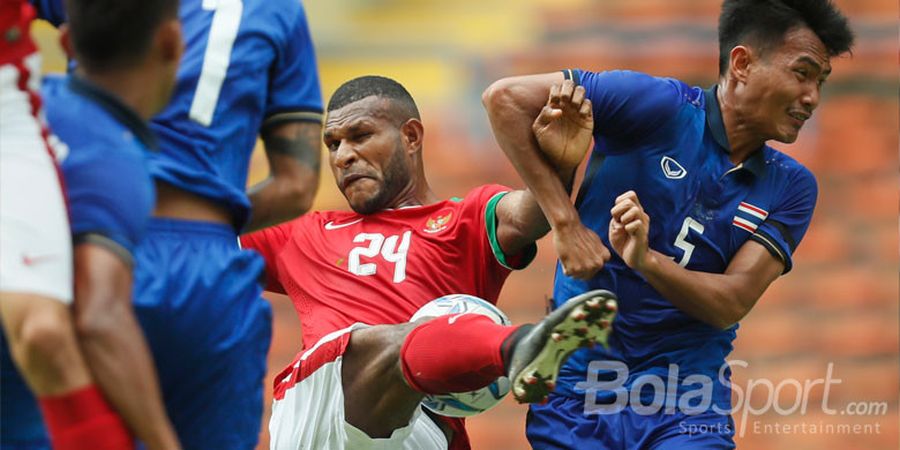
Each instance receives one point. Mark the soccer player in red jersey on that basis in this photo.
(356, 277)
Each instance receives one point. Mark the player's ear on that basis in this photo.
(65, 41)
(169, 39)
(413, 134)
(739, 63)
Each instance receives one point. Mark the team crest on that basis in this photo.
(438, 223)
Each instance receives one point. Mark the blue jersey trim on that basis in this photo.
(100, 238)
(121, 112)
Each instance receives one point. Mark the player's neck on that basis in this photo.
(130, 86)
(742, 137)
(415, 194)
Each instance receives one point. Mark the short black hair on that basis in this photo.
(112, 34)
(374, 85)
(764, 23)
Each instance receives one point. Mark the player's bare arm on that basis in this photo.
(563, 130)
(114, 345)
(720, 300)
(294, 157)
(513, 104)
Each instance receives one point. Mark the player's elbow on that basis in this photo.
(299, 196)
(501, 97)
(730, 315)
(100, 316)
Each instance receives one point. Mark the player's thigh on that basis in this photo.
(562, 423)
(420, 433)
(35, 242)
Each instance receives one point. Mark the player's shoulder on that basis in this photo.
(275, 15)
(631, 80)
(786, 167)
(484, 193)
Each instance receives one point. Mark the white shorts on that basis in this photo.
(308, 409)
(35, 239)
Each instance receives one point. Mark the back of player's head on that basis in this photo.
(112, 34)
(763, 24)
(374, 85)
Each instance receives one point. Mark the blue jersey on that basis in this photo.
(666, 141)
(247, 64)
(108, 184)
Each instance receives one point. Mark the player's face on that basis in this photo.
(784, 86)
(367, 155)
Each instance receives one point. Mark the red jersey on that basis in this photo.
(339, 267)
(15, 22)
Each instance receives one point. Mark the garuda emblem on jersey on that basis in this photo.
(438, 223)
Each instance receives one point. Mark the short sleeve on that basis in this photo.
(513, 262)
(294, 90)
(783, 228)
(109, 206)
(269, 242)
(480, 207)
(628, 106)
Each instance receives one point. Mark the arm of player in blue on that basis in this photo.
(294, 89)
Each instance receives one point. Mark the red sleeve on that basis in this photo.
(269, 242)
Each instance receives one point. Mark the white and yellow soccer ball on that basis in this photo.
(464, 404)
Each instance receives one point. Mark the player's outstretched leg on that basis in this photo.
(387, 369)
(582, 321)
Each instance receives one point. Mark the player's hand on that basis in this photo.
(565, 126)
(628, 230)
(580, 250)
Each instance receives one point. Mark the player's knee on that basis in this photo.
(43, 338)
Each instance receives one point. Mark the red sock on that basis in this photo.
(83, 420)
(457, 353)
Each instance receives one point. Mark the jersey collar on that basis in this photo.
(112, 105)
(756, 163)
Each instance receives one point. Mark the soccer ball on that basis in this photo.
(464, 404)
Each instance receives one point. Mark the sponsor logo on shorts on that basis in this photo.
(32, 260)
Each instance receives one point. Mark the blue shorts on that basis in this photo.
(21, 425)
(562, 424)
(198, 299)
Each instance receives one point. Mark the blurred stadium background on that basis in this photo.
(840, 303)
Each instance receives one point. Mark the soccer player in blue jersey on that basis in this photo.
(701, 214)
(128, 52)
(248, 68)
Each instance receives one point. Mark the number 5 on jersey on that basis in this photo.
(681, 241)
(388, 248)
